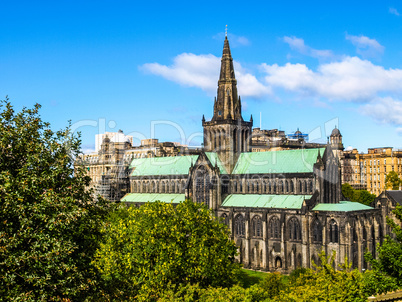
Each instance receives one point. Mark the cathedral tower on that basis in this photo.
(227, 133)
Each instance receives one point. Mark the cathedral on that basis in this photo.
(282, 207)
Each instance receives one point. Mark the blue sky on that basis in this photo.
(151, 68)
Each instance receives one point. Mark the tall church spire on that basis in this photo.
(228, 103)
(227, 133)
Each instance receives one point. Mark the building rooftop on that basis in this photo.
(265, 201)
(342, 206)
(283, 161)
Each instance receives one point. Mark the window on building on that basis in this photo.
(274, 228)
(225, 219)
(239, 225)
(385, 161)
(294, 229)
(317, 231)
(202, 186)
(256, 226)
(333, 231)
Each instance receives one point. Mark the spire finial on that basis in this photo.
(226, 31)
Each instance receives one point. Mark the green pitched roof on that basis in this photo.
(283, 161)
(265, 201)
(342, 206)
(151, 197)
(176, 165)
(214, 158)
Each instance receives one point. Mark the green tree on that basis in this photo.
(387, 268)
(347, 191)
(392, 181)
(159, 246)
(362, 196)
(326, 284)
(49, 225)
(365, 197)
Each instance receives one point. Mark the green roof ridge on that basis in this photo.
(174, 165)
(342, 206)
(282, 161)
(265, 201)
(151, 197)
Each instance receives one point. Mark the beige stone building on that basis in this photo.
(108, 167)
(369, 170)
(274, 139)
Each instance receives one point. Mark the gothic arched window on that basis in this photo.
(202, 186)
(235, 186)
(294, 229)
(274, 187)
(274, 228)
(333, 231)
(256, 226)
(225, 219)
(292, 188)
(305, 186)
(311, 186)
(317, 231)
(300, 187)
(286, 186)
(239, 225)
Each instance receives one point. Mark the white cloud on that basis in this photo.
(190, 70)
(365, 46)
(393, 11)
(202, 71)
(298, 45)
(384, 110)
(351, 79)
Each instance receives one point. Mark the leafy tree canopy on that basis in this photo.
(324, 283)
(392, 181)
(362, 196)
(159, 246)
(49, 224)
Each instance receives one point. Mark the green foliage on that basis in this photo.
(392, 181)
(159, 246)
(50, 226)
(247, 278)
(387, 268)
(272, 285)
(325, 284)
(362, 196)
(347, 191)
